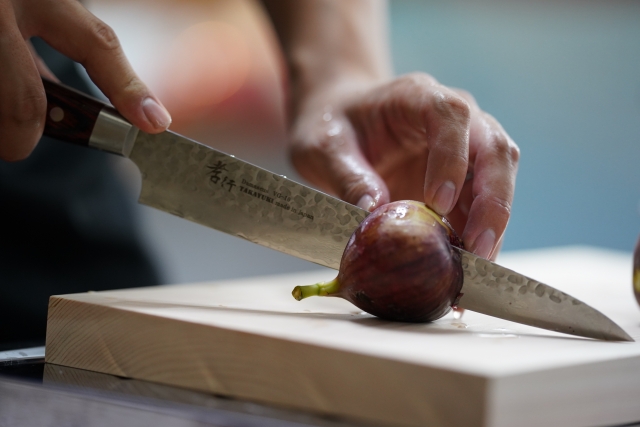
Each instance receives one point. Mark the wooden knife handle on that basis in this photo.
(80, 119)
(71, 115)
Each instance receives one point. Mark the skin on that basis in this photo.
(69, 28)
(370, 138)
(356, 130)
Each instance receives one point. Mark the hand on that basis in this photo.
(411, 138)
(68, 27)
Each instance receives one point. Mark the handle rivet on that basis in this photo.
(56, 114)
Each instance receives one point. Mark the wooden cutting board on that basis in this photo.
(251, 340)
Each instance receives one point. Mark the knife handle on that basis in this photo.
(80, 119)
(71, 115)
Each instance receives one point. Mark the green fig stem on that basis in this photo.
(321, 289)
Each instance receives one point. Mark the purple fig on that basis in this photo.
(636, 271)
(398, 265)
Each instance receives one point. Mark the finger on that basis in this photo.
(467, 96)
(447, 122)
(495, 169)
(71, 29)
(40, 65)
(22, 98)
(422, 116)
(460, 213)
(331, 158)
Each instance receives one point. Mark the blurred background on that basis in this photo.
(562, 77)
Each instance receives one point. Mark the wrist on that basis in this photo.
(330, 95)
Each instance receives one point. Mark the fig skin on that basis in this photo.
(636, 271)
(398, 265)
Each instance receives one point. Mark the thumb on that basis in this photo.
(332, 160)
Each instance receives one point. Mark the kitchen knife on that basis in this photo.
(218, 190)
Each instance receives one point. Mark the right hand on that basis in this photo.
(72, 30)
(370, 142)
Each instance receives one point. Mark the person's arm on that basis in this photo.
(69, 28)
(369, 138)
(329, 42)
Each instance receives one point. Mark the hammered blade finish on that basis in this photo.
(206, 186)
(497, 291)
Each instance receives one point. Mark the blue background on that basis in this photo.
(563, 78)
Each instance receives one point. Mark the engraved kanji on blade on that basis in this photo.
(206, 186)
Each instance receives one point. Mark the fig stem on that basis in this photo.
(320, 289)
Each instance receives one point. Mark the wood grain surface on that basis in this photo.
(71, 115)
(251, 340)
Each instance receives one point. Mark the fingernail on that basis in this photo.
(366, 202)
(483, 245)
(157, 115)
(443, 200)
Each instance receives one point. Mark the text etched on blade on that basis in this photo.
(218, 175)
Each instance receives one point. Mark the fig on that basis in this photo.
(636, 271)
(398, 265)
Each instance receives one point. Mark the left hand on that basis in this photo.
(370, 143)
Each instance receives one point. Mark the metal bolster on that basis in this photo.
(113, 133)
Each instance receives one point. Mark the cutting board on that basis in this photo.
(249, 339)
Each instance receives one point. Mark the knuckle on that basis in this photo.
(104, 36)
(418, 79)
(27, 111)
(514, 152)
(505, 148)
(452, 106)
(460, 156)
(415, 84)
(456, 155)
(21, 125)
(467, 96)
(353, 187)
(134, 86)
(502, 204)
(501, 144)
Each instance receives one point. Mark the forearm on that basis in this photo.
(327, 43)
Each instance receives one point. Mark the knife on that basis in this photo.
(196, 182)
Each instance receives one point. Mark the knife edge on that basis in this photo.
(500, 292)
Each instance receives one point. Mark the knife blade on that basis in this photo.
(500, 292)
(201, 184)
